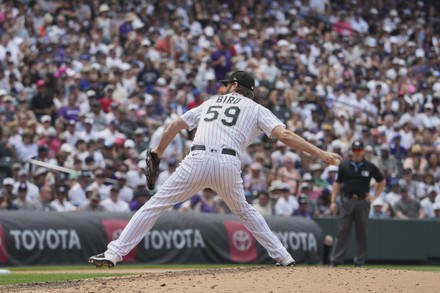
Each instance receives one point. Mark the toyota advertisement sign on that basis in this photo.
(36, 238)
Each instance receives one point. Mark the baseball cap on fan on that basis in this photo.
(242, 78)
(357, 145)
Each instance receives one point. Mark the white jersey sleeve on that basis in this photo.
(192, 117)
(267, 121)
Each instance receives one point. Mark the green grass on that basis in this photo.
(31, 277)
(13, 279)
(53, 277)
(127, 267)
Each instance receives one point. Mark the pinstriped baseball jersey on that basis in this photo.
(230, 121)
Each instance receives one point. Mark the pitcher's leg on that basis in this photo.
(181, 185)
(257, 225)
(230, 188)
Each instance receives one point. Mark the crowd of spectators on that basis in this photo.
(87, 86)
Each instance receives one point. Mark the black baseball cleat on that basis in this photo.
(107, 259)
(333, 265)
(288, 261)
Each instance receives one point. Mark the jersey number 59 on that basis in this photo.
(231, 114)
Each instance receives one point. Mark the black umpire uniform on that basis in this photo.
(353, 183)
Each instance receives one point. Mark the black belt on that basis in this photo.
(355, 196)
(225, 151)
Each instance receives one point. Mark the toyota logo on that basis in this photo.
(241, 240)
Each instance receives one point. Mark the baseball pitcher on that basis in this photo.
(226, 124)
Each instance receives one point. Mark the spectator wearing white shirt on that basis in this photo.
(112, 60)
(393, 196)
(125, 192)
(45, 125)
(280, 154)
(390, 23)
(165, 174)
(99, 186)
(32, 191)
(426, 185)
(429, 120)
(347, 101)
(341, 125)
(362, 105)
(27, 147)
(77, 193)
(428, 202)
(319, 6)
(358, 23)
(136, 177)
(22, 202)
(263, 204)
(286, 203)
(388, 127)
(406, 135)
(88, 133)
(7, 187)
(111, 132)
(412, 116)
(270, 70)
(71, 136)
(173, 150)
(97, 113)
(114, 203)
(60, 203)
(92, 204)
(81, 152)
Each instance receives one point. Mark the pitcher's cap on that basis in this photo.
(241, 77)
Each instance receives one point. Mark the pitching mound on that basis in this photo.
(250, 279)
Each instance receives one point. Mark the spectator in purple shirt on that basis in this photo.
(140, 197)
(205, 202)
(71, 110)
(222, 62)
(126, 27)
(302, 211)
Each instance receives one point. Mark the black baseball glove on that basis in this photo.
(152, 168)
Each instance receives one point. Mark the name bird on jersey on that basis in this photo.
(228, 99)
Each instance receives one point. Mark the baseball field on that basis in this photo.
(224, 278)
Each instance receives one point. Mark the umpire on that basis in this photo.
(354, 181)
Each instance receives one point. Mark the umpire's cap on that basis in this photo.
(242, 78)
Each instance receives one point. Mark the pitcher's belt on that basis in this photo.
(225, 151)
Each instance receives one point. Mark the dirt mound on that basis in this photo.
(249, 279)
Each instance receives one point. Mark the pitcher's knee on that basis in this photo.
(244, 212)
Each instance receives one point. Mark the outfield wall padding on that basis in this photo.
(394, 240)
(50, 238)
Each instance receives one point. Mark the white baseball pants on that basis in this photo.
(200, 169)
